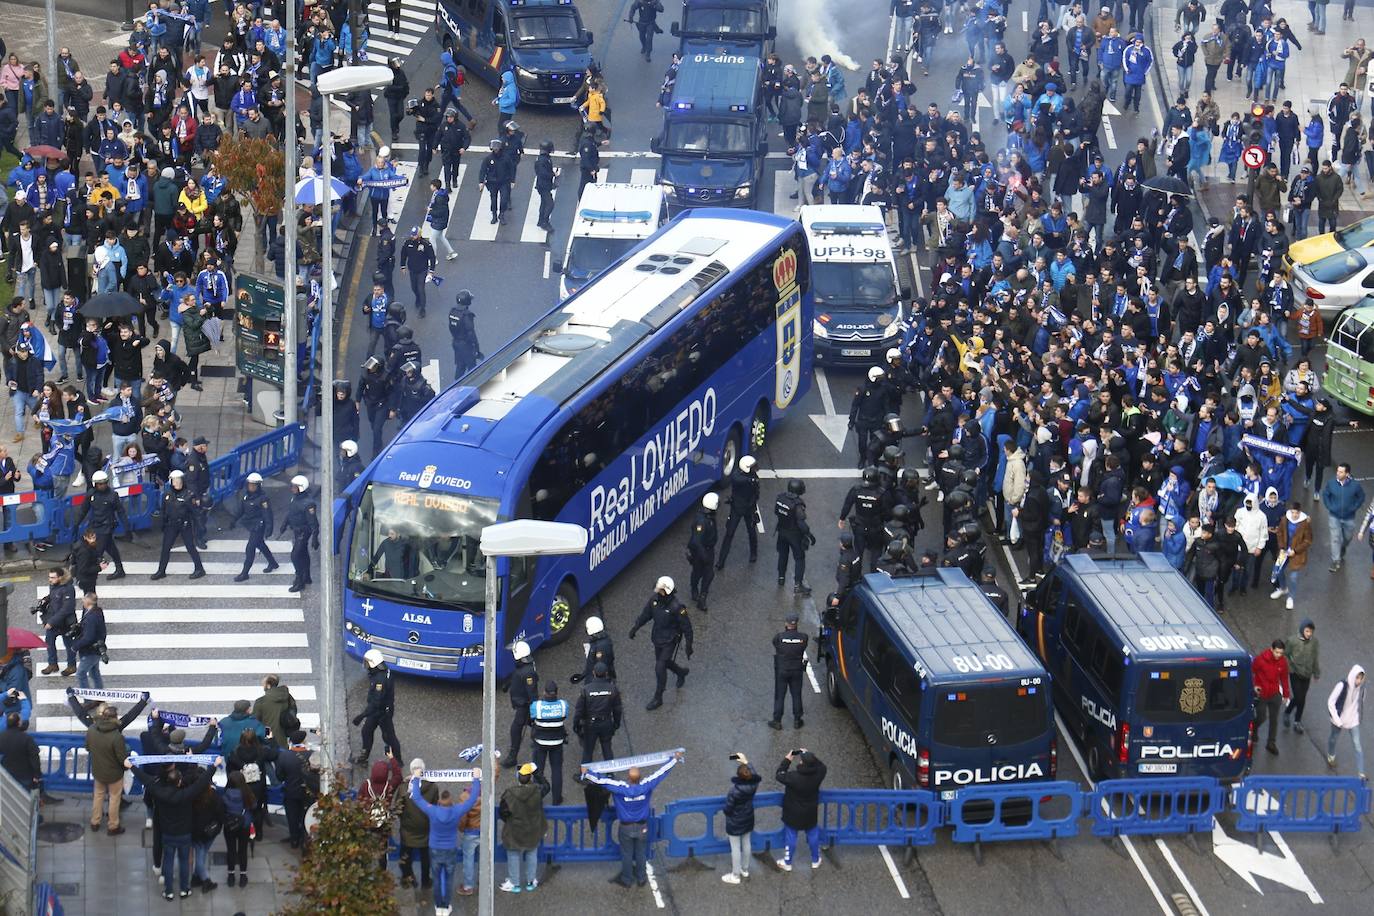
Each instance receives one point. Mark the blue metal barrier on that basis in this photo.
(45, 902)
(1156, 805)
(572, 839)
(874, 817)
(1015, 812)
(140, 502)
(24, 518)
(709, 841)
(268, 454)
(67, 767)
(1301, 804)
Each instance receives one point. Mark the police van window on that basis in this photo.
(498, 25)
(1106, 664)
(1007, 714)
(641, 398)
(477, 11)
(876, 648)
(1191, 693)
(1051, 590)
(905, 691)
(1075, 625)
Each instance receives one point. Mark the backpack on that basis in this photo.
(251, 773)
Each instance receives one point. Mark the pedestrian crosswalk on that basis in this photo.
(417, 22)
(197, 647)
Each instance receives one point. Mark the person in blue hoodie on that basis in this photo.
(508, 97)
(1136, 62)
(837, 175)
(443, 834)
(379, 192)
(1175, 543)
(452, 79)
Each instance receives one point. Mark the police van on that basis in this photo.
(611, 220)
(946, 693)
(1147, 678)
(859, 286)
(714, 139)
(752, 24)
(542, 41)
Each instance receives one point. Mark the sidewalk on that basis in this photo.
(1311, 77)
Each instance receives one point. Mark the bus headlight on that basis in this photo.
(742, 192)
(819, 329)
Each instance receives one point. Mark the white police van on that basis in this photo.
(611, 220)
(858, 285)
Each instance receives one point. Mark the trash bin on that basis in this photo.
(267, 404)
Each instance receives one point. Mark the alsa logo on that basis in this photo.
(416, 618)
(901, 739)
(1005, 773)
(1099, 713)
(1211, 751)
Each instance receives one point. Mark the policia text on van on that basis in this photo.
(939, 682)
(542, 41)
(1147, 677)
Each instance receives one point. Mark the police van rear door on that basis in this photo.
(991, 731)
(1192, 717)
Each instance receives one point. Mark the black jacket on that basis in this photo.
(174, 803)
(802, 793)
(19, 754)
(739, 805)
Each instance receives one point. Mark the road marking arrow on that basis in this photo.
(1109, 109)
(835, 428)
(1247, 861)
(983, 100)
(430, 373)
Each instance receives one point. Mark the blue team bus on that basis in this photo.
(616, 411)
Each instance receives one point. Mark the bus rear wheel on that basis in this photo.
(730, 454)
(562, 612)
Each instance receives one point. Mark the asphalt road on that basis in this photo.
(724, 706)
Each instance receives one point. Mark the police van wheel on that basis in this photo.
(896, 781)
(729, 454)
(1095, 771)
(562, 612)
(832, 688)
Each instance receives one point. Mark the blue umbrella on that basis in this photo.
(310, 190)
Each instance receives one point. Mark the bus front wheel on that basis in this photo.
(562, 612)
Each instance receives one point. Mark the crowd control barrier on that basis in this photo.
(1126, 807)
(45, 902)
(27, 518)
(1049, 811)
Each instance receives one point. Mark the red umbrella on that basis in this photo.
(44, 151)
(24, 639)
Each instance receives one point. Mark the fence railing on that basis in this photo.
(25, 518)
(18, 844)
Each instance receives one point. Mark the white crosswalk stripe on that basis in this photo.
(207, 645)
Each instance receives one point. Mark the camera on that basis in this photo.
(104, 653)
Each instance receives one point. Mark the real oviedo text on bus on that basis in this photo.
(615, 411)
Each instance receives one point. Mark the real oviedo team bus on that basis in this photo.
(616, 412)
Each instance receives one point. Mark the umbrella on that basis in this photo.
(110, 305)
(1167, 184)
(24, 639)
(43, 151)
(309, 190)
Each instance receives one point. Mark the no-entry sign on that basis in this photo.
(1254, 157)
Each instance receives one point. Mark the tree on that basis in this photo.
(254, 171)
(338, 873)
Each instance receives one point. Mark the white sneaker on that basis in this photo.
(784, 865)
(147, 823)
(452, 255)
(744, 874)
(731, 878)
(816, 864)
(509, 888)
(1276, 593)
(1289, 603)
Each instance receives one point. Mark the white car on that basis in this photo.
(1336, 281)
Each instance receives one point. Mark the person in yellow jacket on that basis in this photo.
(594, 112)
(194, 200)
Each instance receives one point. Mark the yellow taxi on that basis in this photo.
(1359, 234)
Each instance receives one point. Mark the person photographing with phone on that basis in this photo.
(801, 800)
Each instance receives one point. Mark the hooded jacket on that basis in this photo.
(1304, 654)
(739, 804)
(1253, 526)
(269, 708)
(522, 809)
(1271, 675)
(1014, 478)
(509, 96)
(1346, 699)
(1299, 542)
(802, 793)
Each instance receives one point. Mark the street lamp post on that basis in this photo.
(340, 80)
(522, 538)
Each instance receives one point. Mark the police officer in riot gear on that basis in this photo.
(410, 394)
(598, 713)
(949, 469)
(106, 512)
(890, 466)
(867, 410)
(794, 535)
(198, 482)
(671, 625)
(599, 651)
(744, 507)
(890, 433)
(548, 734)
(380, 708)
(524, 690)
(865, 500)
(849, 567)
(894, 559)
(350, 465)
(255, 515)
(304, 522)
(789, 661)
(374, 392)
(178, 521)
(463, 330)
(404, 350)
(898, 380)
(995, 593)
(701, 549)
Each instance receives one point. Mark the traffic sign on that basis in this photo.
(1254, 157)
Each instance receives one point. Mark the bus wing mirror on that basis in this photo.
(343, 511)
(655, 146)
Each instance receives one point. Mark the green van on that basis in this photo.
(1349, 374)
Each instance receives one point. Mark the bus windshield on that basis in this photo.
(420, 546)
(1187, 694)
(721, 20)
(996, 716)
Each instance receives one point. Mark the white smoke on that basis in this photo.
(812, 25)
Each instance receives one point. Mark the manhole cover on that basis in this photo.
(55, 832)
